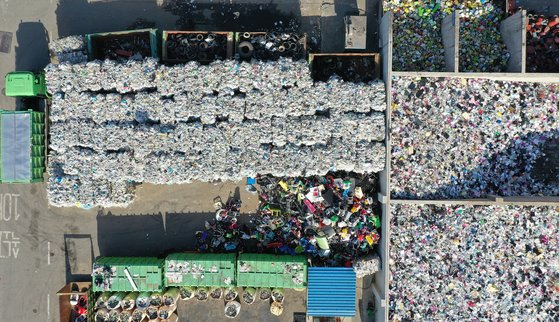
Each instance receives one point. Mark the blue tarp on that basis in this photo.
(331, 291)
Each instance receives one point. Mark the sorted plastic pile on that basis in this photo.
(489, 263)
(117, 124)
(542, 44)
(334, 219)
(468, 138)
(72, 49)
(481, 45)
(418, 44)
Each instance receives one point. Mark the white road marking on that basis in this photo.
(48, 307)
(48, 254)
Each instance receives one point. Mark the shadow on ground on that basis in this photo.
(148, 234)
(32, 54)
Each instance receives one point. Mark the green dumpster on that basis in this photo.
(22, 146)
(129, 42)
(193, 269)
(273, 271)
(26, 84)
(126, 274)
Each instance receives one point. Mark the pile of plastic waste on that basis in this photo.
(118, 124)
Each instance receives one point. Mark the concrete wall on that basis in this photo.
(381, 278)
(451, 41)
(513, 31)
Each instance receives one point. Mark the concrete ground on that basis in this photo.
(42, 248)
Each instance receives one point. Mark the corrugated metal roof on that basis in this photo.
(331, 291)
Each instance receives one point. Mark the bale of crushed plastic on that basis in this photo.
(138, 315)
(232, 309)
(166, 311)
(216, 293)
(142, 301)
(186, 292)
(276, 308)
(114, 301)
(102, 300)
(129, 301)
(230, 294)
(114, 315)
(102, 315)
(249, 295)
(265, 293)
(152, 313)
(277, 295)
(171, 296)
(366, 266)
(201, 294)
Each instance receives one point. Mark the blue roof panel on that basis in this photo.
(331, 291)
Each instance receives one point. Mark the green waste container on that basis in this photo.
(272, 271)
(194, 269)
(127, 274)
(26, 84)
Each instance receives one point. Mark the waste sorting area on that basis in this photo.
(136, 287)
(455, 262)
(333, 219)
(451, 153)
(468, 138)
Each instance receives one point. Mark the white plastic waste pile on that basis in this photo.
(117, 124)
(70, 49)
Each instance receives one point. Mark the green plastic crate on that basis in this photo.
(216, 269)
(35, 144)
(280, 271)
(146, 273)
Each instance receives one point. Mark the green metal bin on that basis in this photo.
(273, 271)
(95, 42)
(127, 274)
(194, 269)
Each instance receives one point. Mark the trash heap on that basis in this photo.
(72, 49)
(333, 218)
(452, 263)
(542, 45)
(481, 45)
(418, 44)
(469, 138)
(117, 124)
